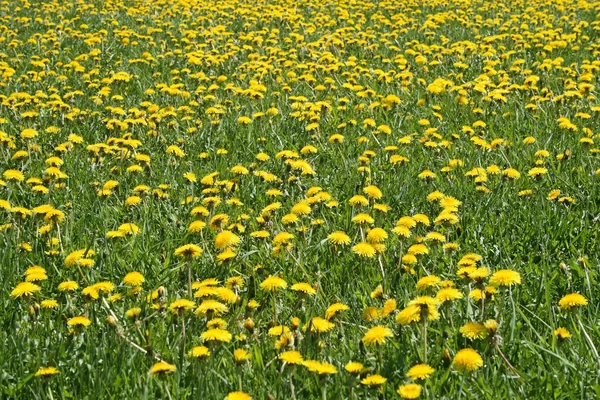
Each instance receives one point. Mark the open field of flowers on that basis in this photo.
(299, 200)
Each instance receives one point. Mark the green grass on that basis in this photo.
(554, 246)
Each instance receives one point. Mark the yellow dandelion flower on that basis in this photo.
(46, 371)
(321, 368)
(162, 368)
(133, 279)
(410, 391)
(303, 287)
(199, 352)
(505, 277)
(572, 301)
(474, 330)
(364, 249)
(373, 380)
(79, 321)
(377, 335)
(338, 238)
(562, 333)
(188, 250)
(25, 289)
(273, 283)
(238, 396)
(181, 305)
(291, 357)
(216, 335)
(420, 372)
(467, 360)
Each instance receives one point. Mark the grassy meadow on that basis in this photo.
(299, 200)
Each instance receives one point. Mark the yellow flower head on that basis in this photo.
(25, 289)
(505, 277)
(377, 335)
(162, 368)
(273, 283)
(420, 372)
(410, 391)
(373, 380)
(46, 371)
(572, 301)
(467, 360)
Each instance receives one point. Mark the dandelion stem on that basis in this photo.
(168, 393)
(189, 275)
(182, 337)
(508, 364)
(274, 311)
(62, 251)
(425, 340)
(292, 389)
(382, 272)
(482, 305)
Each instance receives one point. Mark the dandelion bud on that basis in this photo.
(563, 266)
(161, 291)
(295, 323)
(112, 321)
(446, 356)
(491, 325)
(249, 325)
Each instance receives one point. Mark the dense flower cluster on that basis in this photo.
(224, 199)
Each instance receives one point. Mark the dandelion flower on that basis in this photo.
(376, 235)
(133, 279)
(354, 367)
(291, 357)
(505, 277)
(373, 380)
(409, 315)
(428, 282)
(238, 396)
(240, 355)
(25, 289)
(562, 333)
(199, 352)
(79, 321)
(305, 288)
(377, 335)
(364, 249)
(420, 371)
(320, 325)
(474, 330)
(334, 309)
(49, 303)
(572, 301)
(181, 305)
(448, 294)
(68, 286)
(226, 239)
(467, 360)
(162, 368)
(273, 283)
(216, 335)
(338, 238)
(188, 250)
(321, 368)
(363, 219)
(46, 371)
(410, 391)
